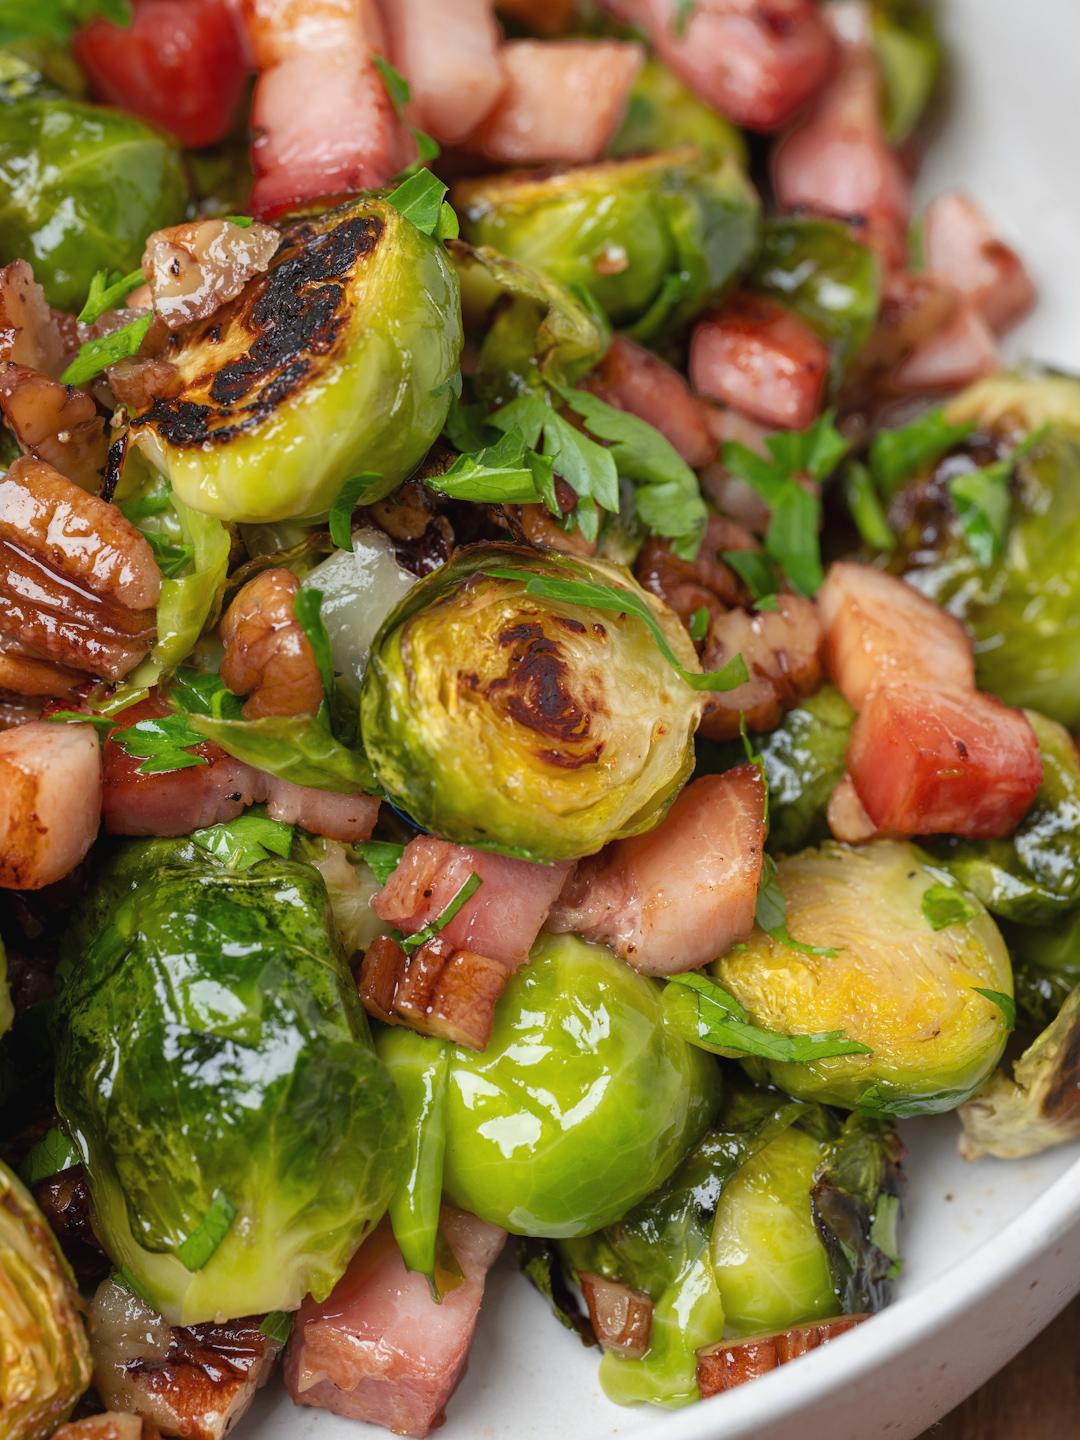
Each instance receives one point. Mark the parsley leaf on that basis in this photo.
(722, 1023)
(102, 723)
(1005, 1003)
(173, 557)
(198, 1249)
(866, 508)
(243, 221)
(684, 9)
(615, 599)
(397, 87)
(983, 502)
(895, 455)
(307, 607)
(108, 289)
(506, 473)
(243, 842)
(277, 1325)
(771, 914)
(204, 693)
(97, 355)
(944, 905)
(52, 1153)
(381, 857)
(419, 198)
(409, 943)
(699, 624)
(161, 742)
(341, 511)
(756, 571)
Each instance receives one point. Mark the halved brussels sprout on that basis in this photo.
(663, 114)
(80, 189)
(893, 982)
(582, 1102)
(44, 1352)
(1040, 1105)
(1034, 875)
(1021, 608)
(1046, 964)
(654, 239)
(215, 1072)
(516, 722)
(335, 362)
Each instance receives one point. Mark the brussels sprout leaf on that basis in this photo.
(1005, 1003)
(420, 199)
(866, 509)
(52, 1153)
(307, 607)
(297, 748)
(277, 1325)
(56, 20)
(198, 1249)
(542, 1266)
(97, 355)
(162, 743)
(108, 290)
(945, 905)
(883, 1226)
(243, 842)
(341, 511)
(771, 914)
(127, 1281)
(624, 602)
(723, 1024)
(699, 624)
(895, 455)
(409, 943)
(414, 1206)
(381, 857)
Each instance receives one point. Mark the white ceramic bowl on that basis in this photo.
(992, 1250)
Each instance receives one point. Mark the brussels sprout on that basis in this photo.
(664, 114)
(819, 270)
(804, 759)
(582, 1102)
(1034, 875)
(44, 1352)
(1021, 608)
(515, 722)
(350, 885)
(530, 329)
(215, 1072)
(1040, 1105)
(892, 982)
(654, 239)
(80, 189)
(909, 54)
(1046, 964)
(337, 361)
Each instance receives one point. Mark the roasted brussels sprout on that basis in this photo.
(935, 1041)
(522, 722)
(909, 53)
(663, 114)
(1022, 607)
(1040, 1105)
(1034, 876)
(44, 1352)
(819, 270)
(654, 239)
(215, 1072)
(580, 1105)
(80, 189)
(1046, 965)
(335, 362)
(804, 760)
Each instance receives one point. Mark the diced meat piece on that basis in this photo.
(436, 990)
(501, 920)
(448, 50)
(110, 1426)
(782, 649)
(350, 818)
(722, 1367)
(959, 245)
(762, 359)
(280, 30)
(56, 423)
(194, 268)
(378, 1348)
(180, 64)
(926, 761)
(962, 351)
(50, 801)
(678, 897)
(914, 308)
(620, 1316)
(879, 628)
(848, 821)
(838, 162)
(29, 333)
(562, 103)
(634, 379)
(757, 61)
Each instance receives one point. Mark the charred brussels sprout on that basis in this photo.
(44, 1352)
(580, 1105)
(215, 1072)
(654, 239)
(887, 979)
(80, 189)
(1034, 876)
(1040, 1105)
(517, 722)
(664, 114)
(335, 362)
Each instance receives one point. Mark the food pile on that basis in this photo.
(538, 672)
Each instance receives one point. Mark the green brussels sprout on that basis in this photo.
(1034, 875)
(529, 328)
(337, 361)
(664, 114)
(532, 725)
(1046, 965)
(216, 1075)
(1022, 607)
(804, 757)
(1039, 1106)
(44, 1352)
(81, 187)
(887, 979)
(819, 270)
(653, 239)
(909, 53)
(582, 1102)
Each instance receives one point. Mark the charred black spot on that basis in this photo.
(535, 691)
(574, 626)
(961, 749)
(567, 761)
(114, 466)
(523, 631)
